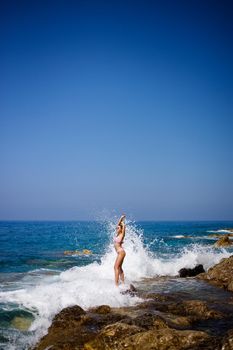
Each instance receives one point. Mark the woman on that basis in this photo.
(118, 241)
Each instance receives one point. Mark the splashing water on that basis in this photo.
(93, 284)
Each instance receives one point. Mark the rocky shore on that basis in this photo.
(221, 275)
(224, 241)
(161, 321)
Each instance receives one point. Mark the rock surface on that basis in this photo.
(134, 338)
(135, 328)
(191, 272)
(228, 341)
(218, 235)
(78, 252)
(21, 323)
(220, 275)
(224, 241)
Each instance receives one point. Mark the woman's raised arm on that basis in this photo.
(121, 219)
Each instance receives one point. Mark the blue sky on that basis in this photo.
(116, 106)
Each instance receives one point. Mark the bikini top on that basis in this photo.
(118, 239)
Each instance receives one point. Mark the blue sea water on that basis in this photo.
(43, 267)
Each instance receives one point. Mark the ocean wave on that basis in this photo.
(221, 231)
(179, 236)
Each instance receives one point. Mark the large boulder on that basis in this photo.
(66, 330)
(220, 275)
(185, 272)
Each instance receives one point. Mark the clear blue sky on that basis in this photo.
(116, 105)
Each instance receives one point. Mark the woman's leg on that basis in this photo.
(117, 267)
(122, 276)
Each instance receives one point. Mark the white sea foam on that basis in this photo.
(93, 284)
(221, 231)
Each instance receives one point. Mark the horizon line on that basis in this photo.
(101, 220)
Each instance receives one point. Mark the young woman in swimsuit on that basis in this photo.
(118, 240)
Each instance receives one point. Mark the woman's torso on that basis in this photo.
(118, 239)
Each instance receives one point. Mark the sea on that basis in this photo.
(46, 266)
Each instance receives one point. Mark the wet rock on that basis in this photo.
(111, 336)
(96, 322)
(200, 310)
(218, 235)
(132, 288)
(67, 331)
(65, 339)
(68, 315)
(224, 241)
(195, 309)
(78, 252)
(164, 339)
(130, 291)
(21, 323)
(102, 309)
(148, 320)
(133, 328)
(178, 321)
(220, 275)
(227, 343)
(160, 297)
(185, 272)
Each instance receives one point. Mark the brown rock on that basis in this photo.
(220, 275)
(69, 314)
(178, 321)
(219, 235)
(147, 321)
(102, 309)
(97, 321)
(224, 241)
(160, 297)
(201, 310)
(165, 339)
(66, 331)
(110, 337)
(132, 328)
(21, 323)
(78, 252)
(121, 336)
(196, 309)
(228, 341)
